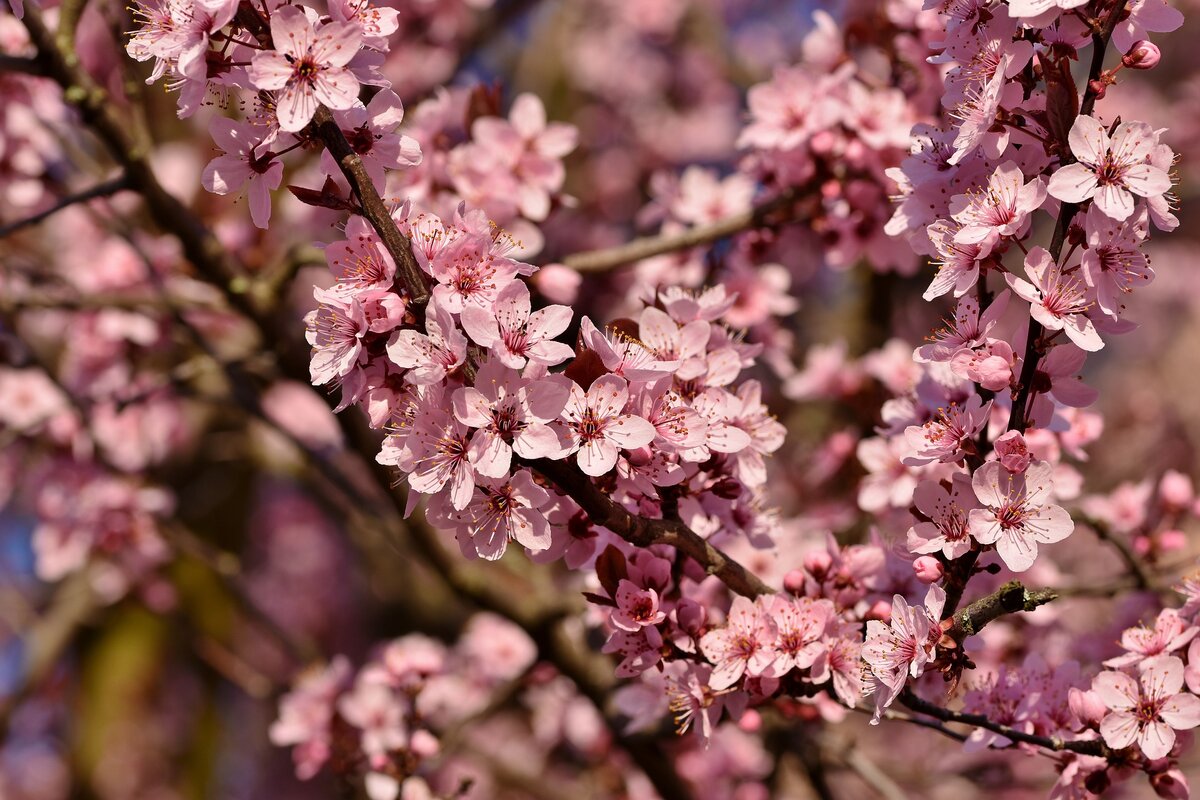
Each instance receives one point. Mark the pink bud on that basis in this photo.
(690, 616)
(1171, 784)
(557, 283)
(818, 563)
(794, 581)
(1176, 489)
(1013, 452)
(821, 142)
(882, 611)
(1098, 88)
(1087, 706)
(1172, 540)
(928, 569)
(751, 721)
(1143, 55)
(1141, 545)
(423, 744)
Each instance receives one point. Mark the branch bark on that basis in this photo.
(645, 247)
(1010, 598)
(106, 189)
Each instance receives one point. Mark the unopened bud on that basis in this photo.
(818, 563)
(1097, 88)
(751, 721)
(793, 582)
(1171, 784)
(1143, 55)
(928, 569)
(882, 611)
(1087, 706)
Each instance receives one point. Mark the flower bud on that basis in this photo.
(1172, 541)
(818, 563)
(1143, 55)
(423, 744)
(1171, 784)
(1087, 706)
(1013, 452)
(690, 616)
(928, 569)
(882, 611)
(1176, 489)
(557, 283)
(751, 721)
(794, 581)
(1098, 88)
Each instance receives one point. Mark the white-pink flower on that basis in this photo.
(957, 261)
(1169, 634)
(894, 651)
(307, 68)
(515, 333)
(1110, 169)
(946, 530)
(1147, 710)
(240, 165)
(1113, 263)
(501, 511)
(744, 645)
(1058, 299)
(597, 426)
(1014, 516)
(949, 436)
(636, 607)
(429, 357)
(1000, 209)
(509, 414)
(799, 631)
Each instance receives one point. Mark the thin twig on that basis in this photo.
(106, 189)
(645, 247)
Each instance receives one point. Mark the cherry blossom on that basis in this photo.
(1146, 710)
(1110, 169)
(597, 427)
(1014, 516)
(1058, 299)
(745, 645)
(308, 68)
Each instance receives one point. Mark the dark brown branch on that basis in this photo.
(638, 249)
(644, 532)
(1034, 348)
(21, 64)
(416, 283)
(1090, 747)
(106, 189)
(1010, 598)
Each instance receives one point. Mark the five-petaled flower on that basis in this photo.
(1146, 710)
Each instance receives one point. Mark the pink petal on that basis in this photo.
(1073, 183)
(336, 88)
(1116, 690)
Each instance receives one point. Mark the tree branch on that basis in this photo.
(1010, 598)
(1090, 747)
(105, 189)
(645, 247)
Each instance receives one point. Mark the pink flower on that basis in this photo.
(1113, 263)
(502, 511)
(966, 329)
(957, 262)
(799, 628)
(636, 607)
(1012, 451)
(377, 711)
(1111, 170)
(948, 437)
(624, 356)
(531, 149)
(241, 164)
(1000, 209)
(360, 261)
(335, 329)
(597, 427)
(1148, 710)
(429, 357)
(308, 65)
(510, 414)
(744, 645)
(1059, 300)
(1143, 17)
(516, 335)
(440, 460)
(977, 114)
(371, 131)
(899, 649)
(1013, 516)
(639, 650)
(1169, 634)
(947, 530)
(305, 714)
